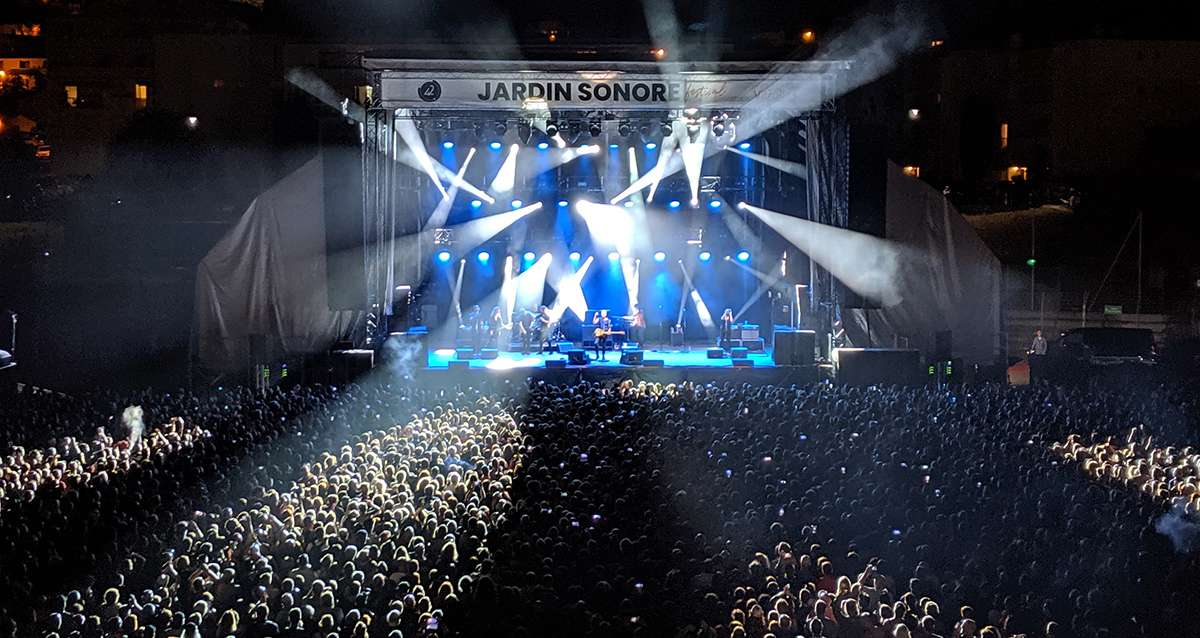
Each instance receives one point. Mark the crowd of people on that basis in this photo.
(609, 509)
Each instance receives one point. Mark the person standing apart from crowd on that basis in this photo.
(637, 325)
(1037, 354)
(726, 327)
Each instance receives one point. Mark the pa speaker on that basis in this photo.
(556, 363)
(794, 347)
(631, 358)
(716, 353)
(867, 366)
(458, 365)
(653, 363)
(341, 166)
(464, 353)
(488, 353)
(743, 363)
(577, 357)
(739, 352)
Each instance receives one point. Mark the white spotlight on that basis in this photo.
(507, 175)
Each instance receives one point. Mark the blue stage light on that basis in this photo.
(475, 203)
(483, 256)
(660, 256)
(674, 204)
(629, 204)
(714, 204)
(447, 145)
(562, 203)
(613, 147)
(443, 256)
(529, 256)
(745, 146)
(650, 146)
(495, 146)
(574, 256)
(614, 256)
(705, 255)
(543, 146)
(743, 256)
(516, 203)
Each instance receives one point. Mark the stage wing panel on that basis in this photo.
(266, 277)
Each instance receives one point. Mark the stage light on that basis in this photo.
(614, 256)
(447, 145)
(475, 203)
(614, 147)
(705, 255)
(743, 256)
(629, 204)
(547, 256)
(495, 146)
(714, 204)
(745, 146)
(443, 256)
(562, 203)
(529, 256)
(543, 146)
(483, 256)
(574, 256)
(674, 204)
(660, 256)
(650, 146)
(516, 203)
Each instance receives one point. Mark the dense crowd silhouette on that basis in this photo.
(601, 509)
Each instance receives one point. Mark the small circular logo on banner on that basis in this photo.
(430, 91)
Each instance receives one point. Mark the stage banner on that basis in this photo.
(506, 91)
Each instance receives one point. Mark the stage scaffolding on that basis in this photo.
(393, 211)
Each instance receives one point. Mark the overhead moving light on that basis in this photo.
(529, 256)
(743, 256)
(447, 145)
(714, 204)
(745, 146)
(495, 146)
(443, 256)
(614, 256)
(483, 256)
(674, 204)
(475, 203)
(650, 146)
(660, 256)
(562, 203)
(543, 146)
(516, 203)
(574, 256)
(705, 255)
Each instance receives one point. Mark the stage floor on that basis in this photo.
(692, 358)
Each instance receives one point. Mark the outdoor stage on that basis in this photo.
(690, 358)
(678, 366)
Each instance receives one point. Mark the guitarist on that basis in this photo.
(603, 328)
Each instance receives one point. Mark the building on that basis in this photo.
(1064, 112)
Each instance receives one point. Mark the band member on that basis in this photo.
(603, 328)
(527, 326)
(543, 324)
(637, 325)
(726, 327)
(473, 323)
(497, 328)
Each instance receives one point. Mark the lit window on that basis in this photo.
(1015, 172)
(363, 93)
(808, 36)
(72, 96)
(912, 171)
(141, 92)
(914, 114)
(936, 43)
(1004, 135)
(24, 64)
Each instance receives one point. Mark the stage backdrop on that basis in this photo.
(266, 277)
(949, 280)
